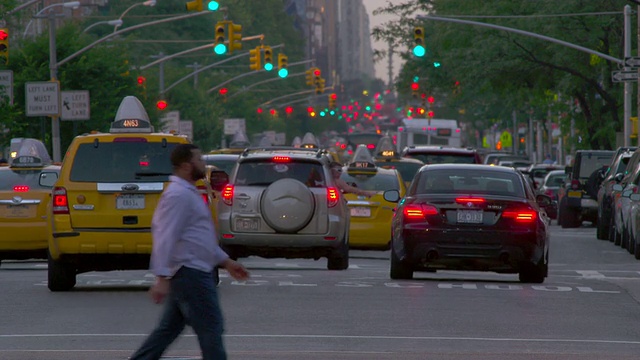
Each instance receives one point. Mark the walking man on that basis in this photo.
(184, 255)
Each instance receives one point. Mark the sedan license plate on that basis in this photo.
(360, 211)
(247, 224)
(130, 202)
(575, 194)
(469, 217)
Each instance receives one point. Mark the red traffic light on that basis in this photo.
(430, 99)
(3, 35)
(415, 86)
(310, 109)
(288, 109)
(272, 112)
(430, 114)
(223, 91)
(161, 104)
(259, 110)
(334, 97)
(141, 80)
(316, 72)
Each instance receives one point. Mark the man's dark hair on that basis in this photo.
(182, 154)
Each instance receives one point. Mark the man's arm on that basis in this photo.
(351, 189)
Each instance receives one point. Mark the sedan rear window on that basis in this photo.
(122, 162)
(444, 158)
(263, 173)
(476, 182)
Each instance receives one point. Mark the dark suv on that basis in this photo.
(613, 176)
(283, 202)
(575, 203)
(443, 155)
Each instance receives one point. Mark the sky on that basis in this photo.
(381, 66)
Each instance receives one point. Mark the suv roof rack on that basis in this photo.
(318, 151)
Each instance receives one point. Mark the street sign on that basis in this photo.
(6, 84)
(75, 105)
(186, 128)
(506, 139)
(231, 126)
(632, 62)
(624, 76)
(43, 98)
(171, 122)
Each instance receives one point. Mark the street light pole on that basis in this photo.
(55, 120)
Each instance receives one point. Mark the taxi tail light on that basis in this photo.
(524, 215)
(227, 195)
(203, 192)
(332, 197)
(21, 188)
(418, 211)
(60, 201)
(575, 184)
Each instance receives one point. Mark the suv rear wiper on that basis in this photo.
(152, 174)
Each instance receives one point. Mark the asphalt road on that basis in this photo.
(296, 309)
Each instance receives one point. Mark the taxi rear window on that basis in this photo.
(122, 162)
(263, 173)
(11, 178)
(406, 169)
(377, 182)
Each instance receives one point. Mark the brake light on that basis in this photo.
(418, 211)
(332, 197)
(575, 184)
(21, 188)
(227, 195)
(203, 192)
(143, 163)
(465, 200)
(524, 215)
(281, 159)
(371, 146)
(60, 201)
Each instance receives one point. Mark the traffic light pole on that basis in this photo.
(246, 88)
(294, 94)
(250, 73)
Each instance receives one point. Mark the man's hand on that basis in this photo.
(235, 269)
(160, 289)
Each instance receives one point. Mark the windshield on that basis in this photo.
(375, 182)
(122, 162)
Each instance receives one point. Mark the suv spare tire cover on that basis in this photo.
(287, 205)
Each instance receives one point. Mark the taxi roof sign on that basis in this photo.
(309, 141)
(297, 142)
(239, 141)
(29, 153)
(385, 148)
(362, 158)
(131, 117)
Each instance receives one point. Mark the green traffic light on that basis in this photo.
(213, 6)
(436, 64)
(419, 51)
(322, 113)
(368, 108)
(332, 112)
(283, 73)
(268, 66)
(220, 49)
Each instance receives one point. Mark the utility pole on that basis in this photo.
(390, 66)
(195, 66)
(161, 73)
(53, 75)
(627, 84)
(515, 138)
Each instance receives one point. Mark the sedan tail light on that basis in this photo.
(227, 195)
(521, 215)
(60, 201)
(575, 184)
(418, 211)
(332, 197)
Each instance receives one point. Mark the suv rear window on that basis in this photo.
(444, 158)
(30, 178)
(264, 172)
(407, 170)
(591, 163)
(122, 162)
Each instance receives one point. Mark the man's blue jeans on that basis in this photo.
(193, 301)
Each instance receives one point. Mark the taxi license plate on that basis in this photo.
(469, 217)
(130, 202)
(576, 194)
(18, 211)
(247, 224)
(360, 212)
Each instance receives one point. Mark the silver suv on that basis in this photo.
(282, 202)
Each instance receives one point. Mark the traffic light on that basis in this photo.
(418, 38)
(198, 5)
(4, 45)
(316, 75)
(310, 76)
(259, 111)
(235, 37)
(161, 105)
(223, 93)
(431, 100)
(414, 89)
(142, 81)
(220, 48)
(268, 58)
(288, 110)
(320, 86)
(254, 59)
(332, 101)
(283, 62)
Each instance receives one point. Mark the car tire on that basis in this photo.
(398, 270)
(571, 218)
(602, 230)
(532, 273)
(339, 258)
(636, 250)
(617, 238)
(630, 243)
(61, 276)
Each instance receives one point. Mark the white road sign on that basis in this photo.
(171, 122)
(231, 126)
(75, 105)
(624, 76)
(43, 98)
(6, 84)
(186, 128)
(632, 62)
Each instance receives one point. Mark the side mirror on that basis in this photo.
(627, 193)
(617, 187)
(618, 177)
(48, 178)
(635, 197)
(218, 179)
(544, 200)
(391, 195)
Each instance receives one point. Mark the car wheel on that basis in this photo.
(611, 230)
(617, 238)
(532, 273)
(631, 245)
(602, 231)
(61, 275)
(571, 218)
(339, 258)
(398, 270)
(636, 250)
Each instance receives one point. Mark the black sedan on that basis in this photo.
(470, 217)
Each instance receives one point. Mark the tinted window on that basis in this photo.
(475, 182)
(589, 164)
(371, 140)
(263, 173)
(375, 182)
(444, 158)
(225, 165)
(406, 169)
(622, 165)
(11, 178)
(122, 162)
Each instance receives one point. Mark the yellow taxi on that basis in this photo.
(25, 193)
(237, 145)
(104, 200)
(388, 158)
(370, 225)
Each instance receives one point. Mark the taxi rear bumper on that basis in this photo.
(23, 236)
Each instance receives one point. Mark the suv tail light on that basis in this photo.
(227, 195)
(521, 215)
(418, 211)
(203, 192)
(575, 184)
(332, 197)
(60, 201)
